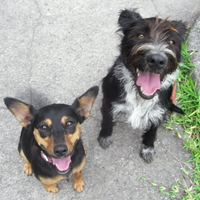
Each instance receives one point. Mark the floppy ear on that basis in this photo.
(181, 28)
(22, 111)
(127, 18)
(84, 103)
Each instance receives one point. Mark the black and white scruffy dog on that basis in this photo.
(139, 83)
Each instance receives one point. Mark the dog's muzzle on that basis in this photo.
(156, 61)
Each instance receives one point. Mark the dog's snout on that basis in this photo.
(156, 61)
(60, 150)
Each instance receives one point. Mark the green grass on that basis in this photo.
(189, 100)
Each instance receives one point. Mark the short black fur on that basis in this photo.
(50, 140)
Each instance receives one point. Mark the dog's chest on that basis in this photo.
(138, 112)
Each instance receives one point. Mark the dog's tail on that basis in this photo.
(176, 109)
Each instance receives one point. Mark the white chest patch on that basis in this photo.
(138, 112)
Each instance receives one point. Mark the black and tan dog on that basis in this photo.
(139, 83)
(50, 140)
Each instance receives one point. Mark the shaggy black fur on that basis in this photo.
(142, 75)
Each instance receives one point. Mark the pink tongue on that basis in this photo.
(62, 163)
(149, 82)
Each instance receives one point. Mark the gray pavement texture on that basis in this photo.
(53, 51)
(194, 48)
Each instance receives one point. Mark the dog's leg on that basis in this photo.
(147, 151)
(53, 188)
(50, 183)
(78, 182)
(106, 125)
(27, 166)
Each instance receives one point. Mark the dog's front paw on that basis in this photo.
(27, 168)
(104, 142)
(51, 188)
(78, 182)
(78, 185)
(147, 153)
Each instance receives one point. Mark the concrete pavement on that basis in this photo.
(52, 52)
(194, 48)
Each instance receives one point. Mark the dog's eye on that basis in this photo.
(68, 124)
(171, 42)
(44, 128)
(141, 36)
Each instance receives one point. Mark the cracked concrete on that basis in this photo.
(53, 51)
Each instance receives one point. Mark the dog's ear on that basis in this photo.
(84, 103)
(22, 111)
(180, 27)
(127, 18)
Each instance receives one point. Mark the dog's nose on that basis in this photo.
(60, 150)
(156, 61)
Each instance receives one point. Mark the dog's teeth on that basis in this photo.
(143, 92)
(45, 157)
(137, 72)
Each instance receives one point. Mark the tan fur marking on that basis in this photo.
(27, 166)
(80, 167)
(22, 113)
(85, 149)
(71, 138)
(51, 188)
(50, 183)
(86, 103)
(78, 182)
(22, 154)
(48, 122)
(173, 29)
(64, 119)
(46, 142)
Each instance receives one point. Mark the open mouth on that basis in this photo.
(62, 164)
(148, 83)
